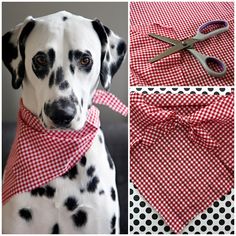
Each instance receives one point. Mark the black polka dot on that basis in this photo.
(191, 228)
(209, 210)
(142, 204)
(232, 197)
(136, 222)
(154, 216)
(113, 194)
(25, 214)
(209, 222)
(221, 232)
(227, 228)
(154, 228)
(55, 229)
(192, 92)
(136, 198)
(216, 93)
(186, 89)
(131, 228)
(222, 198)
(148, 210)
(160, 222)
(209, 232)
(167, 228)
(142, 228)
(232, 209)
(216, 216)
(232, 222)
(90, 171)
(148, 222)
(221, 222)
(49, 191)
(71, 203)
(136, 210)
(227, 216)
(232, 232)
(92, 184)
(204, 216)
(216, 204)
(228, 204)
(215, 228)
(100, 138)
(80, 218)
(197, 222)
(222, 89)
(131, 216)
(142, 216)
(83, 161)
(131, 203)
(203, 228)
(222, 210)
(131, 191)
(174, 89)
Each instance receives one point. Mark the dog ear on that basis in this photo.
(113, 52)
(13, 50)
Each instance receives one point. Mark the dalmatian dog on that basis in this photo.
(58, 61)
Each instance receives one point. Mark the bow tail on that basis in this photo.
(201, 137)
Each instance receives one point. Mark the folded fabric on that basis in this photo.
(38, 155)
(181, 152)
(178, 20)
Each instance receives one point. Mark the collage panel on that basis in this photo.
(181, 160)
(181, 43)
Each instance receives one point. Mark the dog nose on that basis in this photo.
(61, 112)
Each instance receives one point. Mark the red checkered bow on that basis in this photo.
(181, 152)
(39, 155)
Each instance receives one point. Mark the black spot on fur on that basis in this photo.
(64, 85)
(70, 55)
(49, 191)
(110, 161)
(72, 68)
(55, 229)
(82, 102)
(100, 31)
(40, 70)
(21, 70)
(101, 192)
(108, 57)
(113, 222)
(73, 98)
(38, 191)
(80, 218)
(72, 173)
(51, 57)
(82, 190)
(100, 138)
(77, 54)
(90, 171)
(92, 184)
(112, 46)
(121, 48)
(83, 161)
(113, 194)
(25, 214)
(59, 75)
(71, 203)
(107, 30)
(51, 80)
(64, 18)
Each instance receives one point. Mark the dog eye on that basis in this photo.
(85, 61)
(41, 60)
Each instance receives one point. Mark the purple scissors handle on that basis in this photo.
(201, 36)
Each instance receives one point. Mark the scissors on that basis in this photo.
(188, 44)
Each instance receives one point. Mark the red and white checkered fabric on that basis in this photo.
(181, 152)
(178, 20)
(39, 155)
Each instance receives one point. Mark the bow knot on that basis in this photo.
(195, 133)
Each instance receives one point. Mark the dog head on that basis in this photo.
(58, 60)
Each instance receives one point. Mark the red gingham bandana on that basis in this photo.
(178, 20)
(181, 152)
(39, 155)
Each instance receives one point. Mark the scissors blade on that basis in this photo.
(168, 52)
(164, 39)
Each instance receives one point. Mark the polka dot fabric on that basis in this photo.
(178, 20)
(217, 219)
(174, 173)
